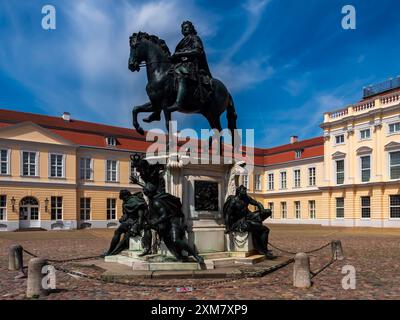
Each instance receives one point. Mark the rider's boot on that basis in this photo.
(182, 88)
(155, 116)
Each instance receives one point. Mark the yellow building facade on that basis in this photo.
(50, 183)
(358, 177)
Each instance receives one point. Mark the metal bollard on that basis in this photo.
(301, 271)
(15, 258)
(337, 251)
(34, 284)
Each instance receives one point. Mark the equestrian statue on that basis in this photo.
(179, 82)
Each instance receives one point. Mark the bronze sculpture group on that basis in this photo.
(180, 82)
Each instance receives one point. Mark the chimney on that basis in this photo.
(294, 139)
(66, 116)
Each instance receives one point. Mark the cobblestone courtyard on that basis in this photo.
(375, 254)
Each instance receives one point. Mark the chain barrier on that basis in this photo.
(208, 283)
(294, 253)
(64, 260)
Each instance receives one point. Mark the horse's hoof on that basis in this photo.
(152, 117)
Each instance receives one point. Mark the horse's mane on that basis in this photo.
(156, 40)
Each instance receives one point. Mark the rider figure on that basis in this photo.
(189, 63)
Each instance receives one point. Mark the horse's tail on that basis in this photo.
(231, 115)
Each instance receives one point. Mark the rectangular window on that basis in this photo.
(3, 207)
(111, 209)
(394, 127)
(85, 209)
(85, 169)
(312, 209)
(297, 211)
(257, 182)
(271, 183)
(339, 208)
(298, 153)
(4, 162)
(312, 176)
(111, 174)
(339, 139)
(284, 210)
(29, 164)
(56, 165)
(297, 178)
(340, 171)
(111, 142)
(365, 207)
(365, 168)
(56, 208)
(245, 181)
(365, 134)
(394, 165)
(283, 180)
(271, 207)
(395, 206)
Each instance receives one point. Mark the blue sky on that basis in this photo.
(285, 61)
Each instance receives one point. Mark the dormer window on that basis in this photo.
(111, 142)
(298, 153)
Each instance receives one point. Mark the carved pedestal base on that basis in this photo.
(239, 242)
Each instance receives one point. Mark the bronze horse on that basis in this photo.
(154, 53)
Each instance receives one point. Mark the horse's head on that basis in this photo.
(146, 47)
(136, 55)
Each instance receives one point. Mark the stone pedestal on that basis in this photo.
(135, 244)
(239, 242)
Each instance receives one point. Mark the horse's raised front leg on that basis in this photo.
(147, 107)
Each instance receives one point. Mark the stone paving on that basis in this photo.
(375, 254)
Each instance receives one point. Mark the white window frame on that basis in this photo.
(360, 170)
(340, 143)
(312, 179)
(37, 161)
(271, 207)
(85, 208)
(108, 208)
(361, 132)
(390, 207)
(257, 182)
(297, 209)
(84, 170)
(283, 206)
(298, 154)
(362, 207)
(116, 171)
(57, 208)
(111, 141)
(336, 208)
(394, 124)
(7, 162)
(312, 210)
(389, 164)
(336, 172)
(271, 182)
(296, 179)
(281, 180)
(4, 218)
(245, 180)
(63, 165)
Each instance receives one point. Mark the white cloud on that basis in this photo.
(243, 75)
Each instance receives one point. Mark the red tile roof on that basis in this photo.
(85, 133)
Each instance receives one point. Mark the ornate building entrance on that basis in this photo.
(29, 213)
